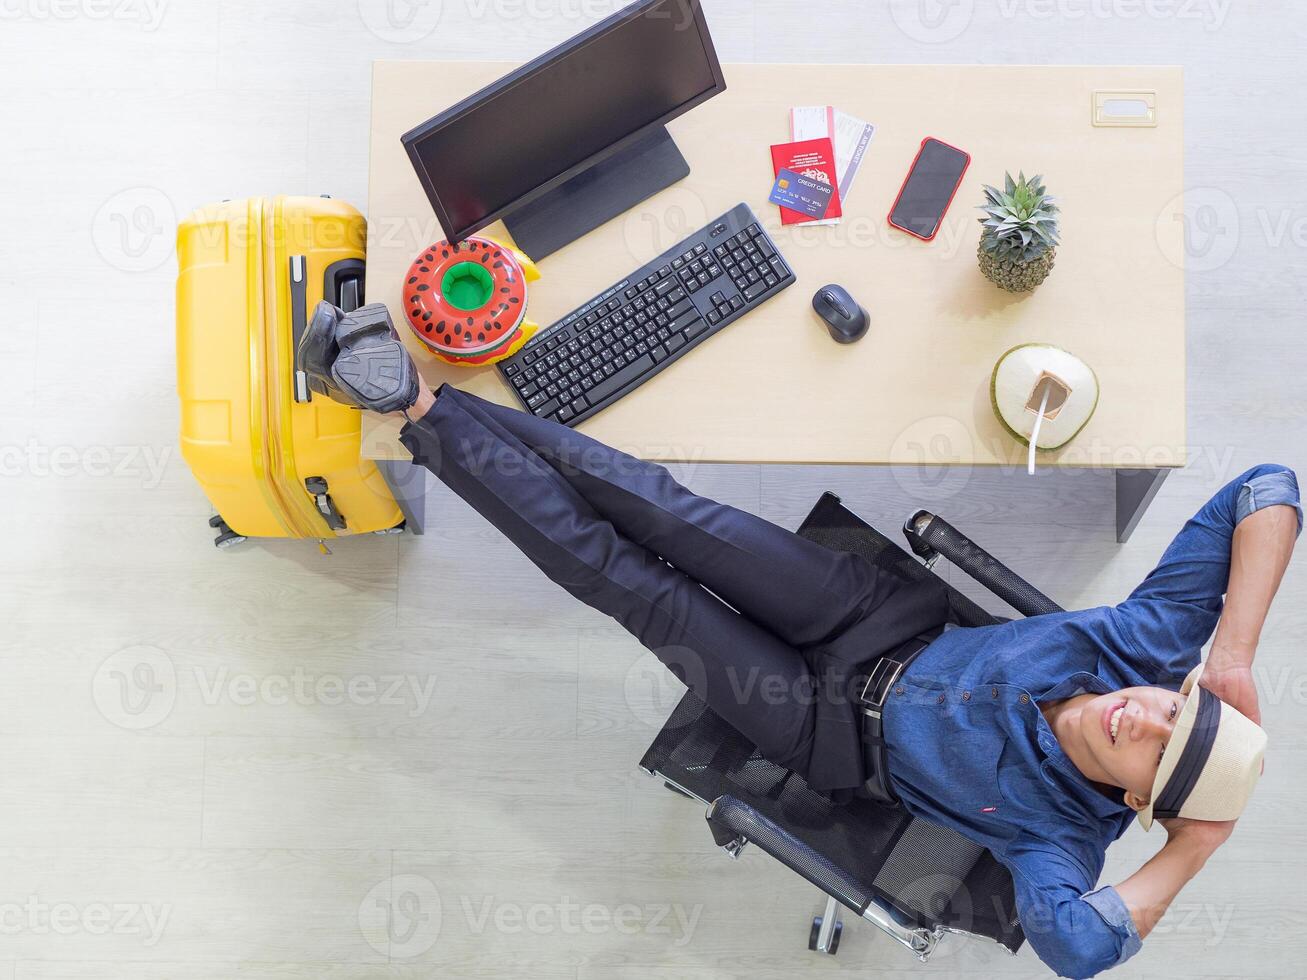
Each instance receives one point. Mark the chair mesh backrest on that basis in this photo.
(932, 874)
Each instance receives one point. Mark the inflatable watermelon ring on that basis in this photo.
(467, 302)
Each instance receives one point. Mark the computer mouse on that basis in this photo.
(845, 319)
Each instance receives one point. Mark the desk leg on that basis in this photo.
(408, 482)
(1135, 490)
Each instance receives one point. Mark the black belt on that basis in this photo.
(873, 693)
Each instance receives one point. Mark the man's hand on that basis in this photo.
(1230, 678)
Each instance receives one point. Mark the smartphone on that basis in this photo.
(929, 188)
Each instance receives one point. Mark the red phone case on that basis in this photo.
(890, 217)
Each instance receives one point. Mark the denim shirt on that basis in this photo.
(969, 748)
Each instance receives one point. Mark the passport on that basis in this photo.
(815, 161)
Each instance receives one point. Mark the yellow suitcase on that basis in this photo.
(274, 458)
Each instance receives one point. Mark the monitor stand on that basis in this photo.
(597, 194)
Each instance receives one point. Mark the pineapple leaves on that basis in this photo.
(1020, 222)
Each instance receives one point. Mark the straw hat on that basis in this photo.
(1211, 763)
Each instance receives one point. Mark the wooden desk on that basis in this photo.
(774, 388)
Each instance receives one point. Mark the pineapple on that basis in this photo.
(1019, 240)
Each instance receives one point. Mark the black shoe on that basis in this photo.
(358, 359)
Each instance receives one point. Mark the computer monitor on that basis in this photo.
(574, 138)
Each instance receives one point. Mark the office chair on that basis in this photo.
(913, 879)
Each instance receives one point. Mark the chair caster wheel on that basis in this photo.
(216, 521)
(834, 939)
(399, 528)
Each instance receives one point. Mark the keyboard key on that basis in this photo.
(754, 290)
(665, 287)
(659, 353)
(714, 317)
(545, 408)
(679, 308)
(680, 322)
(620, 380)
(694, 329)
(564, 415)
(579, 405)
(675, 342)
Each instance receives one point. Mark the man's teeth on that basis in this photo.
(1115, 721)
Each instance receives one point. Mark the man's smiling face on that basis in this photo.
(1127, 731)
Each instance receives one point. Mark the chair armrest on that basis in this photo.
(737, 818)
(732, 819)
(927, 533)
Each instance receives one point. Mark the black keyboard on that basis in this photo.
(612, 344)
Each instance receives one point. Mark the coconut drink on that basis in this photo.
(1043, 395)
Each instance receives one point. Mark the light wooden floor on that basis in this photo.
(219, 765)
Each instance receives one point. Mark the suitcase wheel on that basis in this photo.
(227, 538)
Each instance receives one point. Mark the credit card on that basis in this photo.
(799, 193)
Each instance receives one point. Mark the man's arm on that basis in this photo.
(1263, 544)
(1174, 611)
(1149, 891)
(1076, 932)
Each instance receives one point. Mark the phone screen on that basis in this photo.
(929, 188)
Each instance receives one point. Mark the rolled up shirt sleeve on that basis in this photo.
(1075, 931)
(1173, 612)
(1107, 902)
(1271, 486)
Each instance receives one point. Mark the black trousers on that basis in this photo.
(766, 627)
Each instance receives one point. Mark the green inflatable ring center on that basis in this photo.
(467, 286)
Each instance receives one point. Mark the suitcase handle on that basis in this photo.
(317, 488)
(342, 284)
(299, 302)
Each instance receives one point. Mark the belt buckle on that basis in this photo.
(882, 677)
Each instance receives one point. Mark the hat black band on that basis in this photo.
(1192, 759)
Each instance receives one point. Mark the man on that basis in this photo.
(1040, 739)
